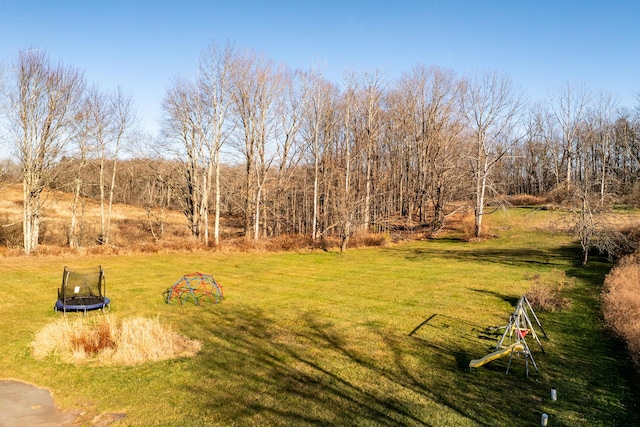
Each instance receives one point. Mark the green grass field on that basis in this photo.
(323, 338)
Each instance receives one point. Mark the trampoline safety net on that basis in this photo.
(82, 290)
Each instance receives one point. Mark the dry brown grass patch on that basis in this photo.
(370, 239)
(526, 200)
(94, 340)
(100, 340)
(547, 293)
(468, 227)
(287, 242)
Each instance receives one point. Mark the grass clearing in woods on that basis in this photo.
(374, 336)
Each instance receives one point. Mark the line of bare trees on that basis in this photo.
(52, 114)
(290, 152)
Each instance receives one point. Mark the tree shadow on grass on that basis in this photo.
(310, 377)
(505, 256)
(511, 300)
(257, 369)
(316, 375)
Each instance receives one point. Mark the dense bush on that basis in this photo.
(526, 200)
(621, 302)
(10, 232)
(547, 293)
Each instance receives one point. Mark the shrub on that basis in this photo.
(628, 239)
(621, 303)
(526, 200)
(10, 232)
(546, 294)
(287, 242)
(369, 239)
(562, 195)
(468, 227)
(328, 243)
(105, 250)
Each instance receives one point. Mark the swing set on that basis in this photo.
(513, 339)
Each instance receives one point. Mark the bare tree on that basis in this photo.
(626, 152)
(185, 125)
(81, 140)
(123, 121)
(369, 121)
(256, 84)
(111, 119)
(569, 109)
(319, 115)
(197, 121)
(537, 154)
(159, 178)
(3, 97)
(604, 113)
(289, 112)
(215, 81)
(594, 136)
(346, 200)
(43, 104)
(427, 121)
(491, 106)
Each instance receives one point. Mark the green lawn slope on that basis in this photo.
(323, 338)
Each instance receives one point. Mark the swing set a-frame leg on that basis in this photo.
(531, 329)
(524, 297)
(527, 355)
(508, 330)
(509, 364)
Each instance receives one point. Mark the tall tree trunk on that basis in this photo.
(29, 222)
(316, 173)
(112, 186)
(216, 228)
(73, 233)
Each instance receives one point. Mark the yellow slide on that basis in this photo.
(496, 355)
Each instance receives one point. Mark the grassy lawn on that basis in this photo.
(324, 338)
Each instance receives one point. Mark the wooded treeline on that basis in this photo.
(290, 152)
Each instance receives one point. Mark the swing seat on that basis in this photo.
(522, 332)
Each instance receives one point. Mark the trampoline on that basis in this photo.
(84, 304)
(82, 290)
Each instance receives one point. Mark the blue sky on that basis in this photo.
(141, 45)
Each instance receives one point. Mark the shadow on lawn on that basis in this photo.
(316, 375)
(259, 370)
(306, 377)
(511, 300)
(505, 256)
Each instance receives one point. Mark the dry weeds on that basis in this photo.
(547, 293)
(526, 200)
(131, 231)
(621, 303)
(468, 226)
(100, 340)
